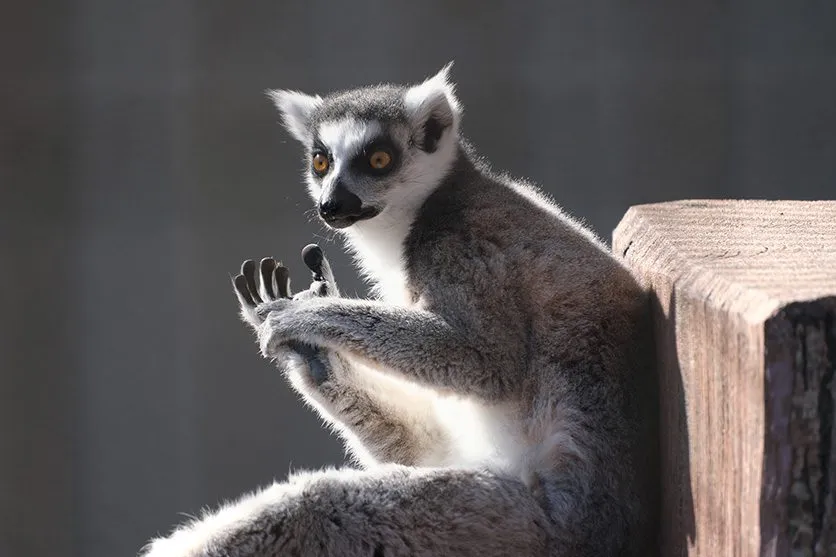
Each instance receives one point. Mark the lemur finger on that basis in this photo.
(319, 265)
(243, 291)
(248, 270)
(282, 278)
(313, 258)
(268, 290)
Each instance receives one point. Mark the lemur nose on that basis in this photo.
(340, 203)
(329, 208)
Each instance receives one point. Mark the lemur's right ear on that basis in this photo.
(296, 109)
(434, 109)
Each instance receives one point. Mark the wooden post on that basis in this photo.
(745, 327)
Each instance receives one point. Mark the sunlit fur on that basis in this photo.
(486, 390)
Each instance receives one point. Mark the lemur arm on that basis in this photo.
(420, 345)
(390, 421)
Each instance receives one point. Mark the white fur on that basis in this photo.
(191, 540)
(296, 109)
(344, 138)
(436, 93)
(412, 403)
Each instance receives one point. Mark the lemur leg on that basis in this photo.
(381, 420)
(389, 511)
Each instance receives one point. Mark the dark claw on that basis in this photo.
(240, 284)
(282, 276)
(312, 256)
(248, 270)
(268, 264)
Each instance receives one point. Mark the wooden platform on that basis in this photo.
(745, 325)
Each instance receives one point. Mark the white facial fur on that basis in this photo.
(344, 139)
(296, 108)
(435, 95)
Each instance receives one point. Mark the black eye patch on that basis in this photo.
(361, 162)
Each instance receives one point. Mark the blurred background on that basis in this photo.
(140, 162)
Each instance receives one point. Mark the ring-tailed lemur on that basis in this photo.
(487, 390)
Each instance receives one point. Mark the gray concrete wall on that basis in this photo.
(141, 163)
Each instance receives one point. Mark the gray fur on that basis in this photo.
(390, 511)
(499, 306)
(381, 103)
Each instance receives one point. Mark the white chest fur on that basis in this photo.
(480, 435)
(378, 246)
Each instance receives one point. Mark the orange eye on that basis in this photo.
(380, 160)
(320, 163)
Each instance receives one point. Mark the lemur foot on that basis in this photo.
(258, 295)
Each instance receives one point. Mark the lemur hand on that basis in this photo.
(271, 289)
(274, 284)
(258, 298)
(321, 285)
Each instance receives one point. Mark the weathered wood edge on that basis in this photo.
(634, 240)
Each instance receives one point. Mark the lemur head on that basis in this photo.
(377, 150)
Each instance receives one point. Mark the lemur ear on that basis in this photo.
(433, 108)
(296, 109)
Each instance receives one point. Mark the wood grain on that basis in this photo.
(744, 309)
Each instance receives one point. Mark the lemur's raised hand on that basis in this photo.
(488, 388)
(255, 295)
(361, 407)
